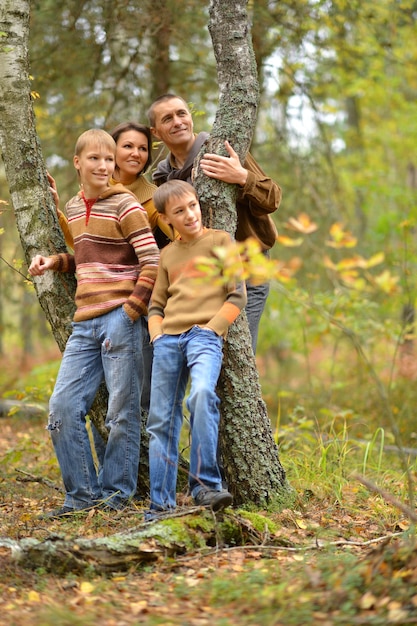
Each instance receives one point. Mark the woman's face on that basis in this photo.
(131, 155)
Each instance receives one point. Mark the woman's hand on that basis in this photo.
(53, 189)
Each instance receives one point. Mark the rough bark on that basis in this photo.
(249, 452)
(25, 170)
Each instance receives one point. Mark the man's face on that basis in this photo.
(173, 124)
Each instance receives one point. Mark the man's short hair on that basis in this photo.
(164, 98)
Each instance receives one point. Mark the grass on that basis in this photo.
(342, 556)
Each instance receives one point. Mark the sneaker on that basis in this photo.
(61, 512)
(216, 500)
(151, 515)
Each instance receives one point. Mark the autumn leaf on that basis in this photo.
(301, 224)
(288, 242)
(340, 238)
(386, 282)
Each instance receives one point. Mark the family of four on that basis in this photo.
(132, 287)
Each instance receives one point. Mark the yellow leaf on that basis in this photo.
(33, 596)
(302, 224)
(376, 259)
(367, 601)
(340, 238)
(288, 242)
(327, 262)
(301, 523)
(386, 282)
(86, 587)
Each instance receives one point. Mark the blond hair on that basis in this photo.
(94, 136)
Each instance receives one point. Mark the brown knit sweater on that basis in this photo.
(115, 255)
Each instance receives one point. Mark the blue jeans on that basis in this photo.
(198, 353)
(147, 353)
(107, 347)
(257, 295)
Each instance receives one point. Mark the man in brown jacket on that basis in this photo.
(258, 196)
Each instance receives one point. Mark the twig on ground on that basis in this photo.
(30, 478)
(273, 548)
(410, 513)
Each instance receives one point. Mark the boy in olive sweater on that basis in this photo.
(188, 322)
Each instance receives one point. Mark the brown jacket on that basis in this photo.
(257, 199)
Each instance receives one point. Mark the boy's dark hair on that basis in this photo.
(164, 98)
(172, 188)
(94, 136)
(140, 128)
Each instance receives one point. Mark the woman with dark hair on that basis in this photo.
(133, 157)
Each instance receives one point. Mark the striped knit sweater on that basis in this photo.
(115, 255)
(183, 297)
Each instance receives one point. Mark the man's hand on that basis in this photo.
(40, 264)
(228, 169)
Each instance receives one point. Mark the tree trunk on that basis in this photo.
(249, 452)
(32, 202)
(25, 170)
(160, 19)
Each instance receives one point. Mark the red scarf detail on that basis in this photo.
(88, 205)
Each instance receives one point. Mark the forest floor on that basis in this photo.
(343, 555)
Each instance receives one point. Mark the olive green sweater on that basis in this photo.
(183, 297)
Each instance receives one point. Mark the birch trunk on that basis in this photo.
(249, 452)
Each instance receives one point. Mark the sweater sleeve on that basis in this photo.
(136, 229)
(234, 303)
(63, 222)
(235, 299)
(158, 302)
(260, 193)
(63, 262)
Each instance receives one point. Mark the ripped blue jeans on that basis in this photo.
(109, 348)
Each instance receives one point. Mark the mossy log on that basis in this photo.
(179, 534)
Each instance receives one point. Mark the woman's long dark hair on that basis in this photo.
(140, 128)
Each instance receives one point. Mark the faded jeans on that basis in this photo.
(107, 347)
(198, 353)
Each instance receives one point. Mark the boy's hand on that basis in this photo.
(156, 338)
(228, 169)
(39, 265)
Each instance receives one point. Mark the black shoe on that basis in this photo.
(64, 511)
(153, 515)
(216, 500)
